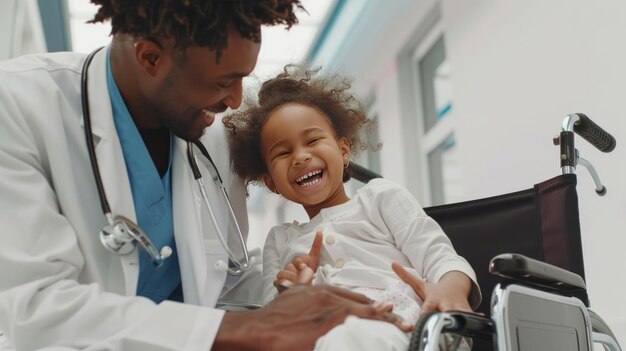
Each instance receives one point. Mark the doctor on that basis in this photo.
(170, 67)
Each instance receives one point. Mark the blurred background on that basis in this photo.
(467, 95)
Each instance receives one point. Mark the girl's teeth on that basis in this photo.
(312, 173)
(312, 182)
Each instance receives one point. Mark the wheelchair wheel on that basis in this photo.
(598, 325)
(417, 343)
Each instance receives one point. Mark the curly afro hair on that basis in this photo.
(203, 23)
(328, 94)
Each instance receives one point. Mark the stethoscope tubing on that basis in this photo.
(91, 148)
(193, 162)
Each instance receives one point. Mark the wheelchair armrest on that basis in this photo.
(534, 272)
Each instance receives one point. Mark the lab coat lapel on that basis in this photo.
(111, 159)
(197, 251)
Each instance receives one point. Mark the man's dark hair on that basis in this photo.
(203, 23)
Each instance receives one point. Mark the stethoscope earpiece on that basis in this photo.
(166, 251)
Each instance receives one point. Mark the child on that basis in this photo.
(298, 140)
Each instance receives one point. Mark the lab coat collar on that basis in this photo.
(201, 282)
(111, 159)
(185, 204)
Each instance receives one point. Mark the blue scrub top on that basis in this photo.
(152, 197)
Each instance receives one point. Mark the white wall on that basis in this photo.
(518, 67)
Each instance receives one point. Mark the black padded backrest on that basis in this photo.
(540, 223)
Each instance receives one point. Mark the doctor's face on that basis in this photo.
(192, 89)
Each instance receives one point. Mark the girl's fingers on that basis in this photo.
(382, 306)
(305, 276)
(298, 261)
(416, 283)
(287, 275)
(428, 307)
(317, 245)
(291, 268)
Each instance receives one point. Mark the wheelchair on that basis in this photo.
(530, 241)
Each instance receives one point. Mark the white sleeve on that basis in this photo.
(41, 302)
(271, 263)
(421, 239)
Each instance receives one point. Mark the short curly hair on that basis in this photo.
(296, 84)
(203, 23)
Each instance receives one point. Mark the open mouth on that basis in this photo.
(209, 116)
(313, 177)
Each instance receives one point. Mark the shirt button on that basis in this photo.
(330, 239)
(339, 263)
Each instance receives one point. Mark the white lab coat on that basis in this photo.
(58, 285)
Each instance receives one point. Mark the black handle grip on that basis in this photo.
(361, 173)
(472, 325)
(594, 134)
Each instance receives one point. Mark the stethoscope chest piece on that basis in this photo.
(121, 235)
(116, 239)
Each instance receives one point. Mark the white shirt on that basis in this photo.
(381, 224)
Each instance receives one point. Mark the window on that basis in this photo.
(434, 74)
(437, 145)
(371, 158)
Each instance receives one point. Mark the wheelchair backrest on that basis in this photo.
(541, 223)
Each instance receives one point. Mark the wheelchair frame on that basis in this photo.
(525, 276)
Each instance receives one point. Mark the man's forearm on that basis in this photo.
(237, 333)
(296, 319)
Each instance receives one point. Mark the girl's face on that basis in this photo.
(304, 158)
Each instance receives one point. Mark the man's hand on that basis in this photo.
(297, 318)
(449, 294)
(302, 268)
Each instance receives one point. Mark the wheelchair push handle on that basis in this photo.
(580, 124)
(593, 133)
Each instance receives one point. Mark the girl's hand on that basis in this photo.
(449, 294)
(302, 268)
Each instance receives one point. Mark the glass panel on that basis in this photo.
(372, 139)
(435, 84)
(445, 173)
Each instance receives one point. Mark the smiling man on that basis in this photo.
(172, 65)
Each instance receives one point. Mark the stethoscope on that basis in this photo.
(121, 235)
